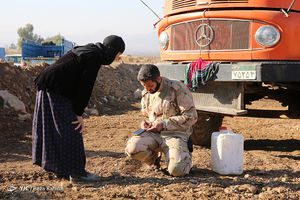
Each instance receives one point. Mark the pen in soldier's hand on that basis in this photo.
(149, 124)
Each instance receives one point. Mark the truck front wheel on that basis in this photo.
(204, 127)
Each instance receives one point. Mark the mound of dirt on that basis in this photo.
(114, 88)
(19, 82)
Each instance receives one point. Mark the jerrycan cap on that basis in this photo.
(222, 128)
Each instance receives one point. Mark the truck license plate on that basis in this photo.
(243, 73)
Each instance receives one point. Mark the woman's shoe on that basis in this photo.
(87, 177)
(60, 176)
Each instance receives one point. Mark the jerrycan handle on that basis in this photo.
(223, 129)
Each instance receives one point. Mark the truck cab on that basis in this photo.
(16, 59)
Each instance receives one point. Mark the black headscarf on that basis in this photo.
(114, 42)
(105, 52)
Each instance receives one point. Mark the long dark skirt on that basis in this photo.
(56, 145)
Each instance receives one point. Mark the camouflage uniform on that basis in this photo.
(173, 104)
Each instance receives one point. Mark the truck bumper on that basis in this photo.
(225, 94)
(243, 71)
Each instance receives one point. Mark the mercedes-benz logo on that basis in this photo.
(204, 35)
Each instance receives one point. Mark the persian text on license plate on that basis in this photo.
(243, 73)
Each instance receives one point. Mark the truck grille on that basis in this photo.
(228, 34)
(177, 4)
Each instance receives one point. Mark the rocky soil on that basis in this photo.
(271, 156)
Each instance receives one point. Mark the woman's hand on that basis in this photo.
(80, 124)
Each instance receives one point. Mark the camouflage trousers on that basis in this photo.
(145, 148)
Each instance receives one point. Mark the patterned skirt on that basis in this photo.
(56, 145)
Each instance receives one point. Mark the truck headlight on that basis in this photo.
(267, 35)
(163, 40)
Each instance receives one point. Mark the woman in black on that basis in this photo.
(64, 89)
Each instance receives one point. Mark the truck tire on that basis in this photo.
(204, 127)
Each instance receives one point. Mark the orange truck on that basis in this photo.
(256, 42)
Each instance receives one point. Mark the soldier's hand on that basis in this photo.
(145, 124)
(156, 127)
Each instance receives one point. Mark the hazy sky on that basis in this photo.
(84, 21)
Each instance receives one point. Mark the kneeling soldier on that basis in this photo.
(168, 105)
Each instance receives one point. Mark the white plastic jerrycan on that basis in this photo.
(227, 152)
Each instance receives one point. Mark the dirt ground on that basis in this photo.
(271, 156)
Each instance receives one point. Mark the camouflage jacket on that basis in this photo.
(172, 103)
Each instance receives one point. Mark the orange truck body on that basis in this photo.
(232, 26)
(250, 15)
